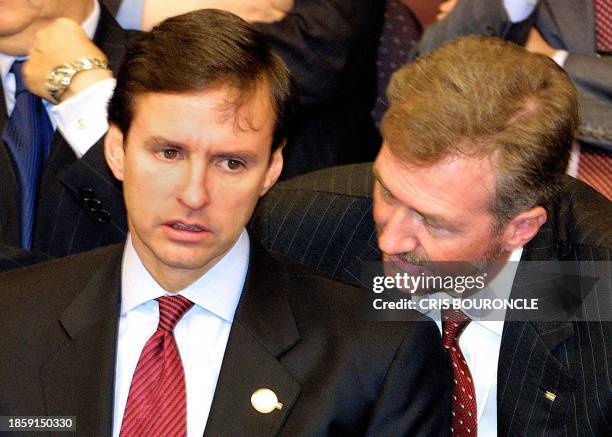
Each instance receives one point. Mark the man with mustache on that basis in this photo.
(476, 141)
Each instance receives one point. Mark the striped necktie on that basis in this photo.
(157, 401)
(27, 135)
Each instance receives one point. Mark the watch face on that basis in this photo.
(58, 80)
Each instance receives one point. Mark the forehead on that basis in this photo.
(451, 188)
(218, 114)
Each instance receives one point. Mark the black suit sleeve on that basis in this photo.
(322, 43)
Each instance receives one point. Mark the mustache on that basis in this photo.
(412, 258)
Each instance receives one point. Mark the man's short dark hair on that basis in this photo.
(200, 51)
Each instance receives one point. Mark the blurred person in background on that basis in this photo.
(58, 196)
(577, 35)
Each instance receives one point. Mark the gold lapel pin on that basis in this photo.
(550, 395)
(265, 401)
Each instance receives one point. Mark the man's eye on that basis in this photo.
(169, 154)
(437, 228)
(386, 193)
(433, 226)
(233, 164)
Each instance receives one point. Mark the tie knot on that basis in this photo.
(16, 70)
(453, 324)
(171, 309)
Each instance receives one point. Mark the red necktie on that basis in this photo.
(595, 168)
(157, 403)
(603, 25)
(464, 396)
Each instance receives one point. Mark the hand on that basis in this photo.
(445, 8)
(61, 41)
(262, 11)
(536, 44)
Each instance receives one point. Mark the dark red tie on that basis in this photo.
(157, 403)
(603, 25)
(464, 396)
(595, 168)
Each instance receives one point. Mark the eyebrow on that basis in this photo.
(431, 218)
(162, 142)
(157, 141)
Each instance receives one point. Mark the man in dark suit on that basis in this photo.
(192, 327)
(467, 127)
(58, 196)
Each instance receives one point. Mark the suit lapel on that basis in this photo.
(78, 379)
(534, 387)
(528, 372)
(263, 330)
(111, 38)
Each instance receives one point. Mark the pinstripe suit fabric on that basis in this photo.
(324, 220)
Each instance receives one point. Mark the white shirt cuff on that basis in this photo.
(560, 57)
(82, 119)
(519, 10)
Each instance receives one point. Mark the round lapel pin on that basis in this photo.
(265, 401)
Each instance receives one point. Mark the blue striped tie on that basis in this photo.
(27, 134)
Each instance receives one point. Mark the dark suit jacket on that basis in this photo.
(295, 332)
(80, 203)
(324, 219)
(330, 47)
(564, 24)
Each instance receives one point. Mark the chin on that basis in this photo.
(183, 260)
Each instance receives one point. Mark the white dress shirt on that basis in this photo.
(480, 343)
(82, 118)
(201, 335)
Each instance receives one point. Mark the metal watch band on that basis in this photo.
(60, 77)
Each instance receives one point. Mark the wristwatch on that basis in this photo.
(60, 77)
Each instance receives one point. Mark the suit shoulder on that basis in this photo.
(353, 180)
(586, 216)
(51, 279)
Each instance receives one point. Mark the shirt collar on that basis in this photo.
(217, 291)
(89, 26)
(499, 287)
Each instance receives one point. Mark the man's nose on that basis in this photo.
(194, 192)
(398, 234)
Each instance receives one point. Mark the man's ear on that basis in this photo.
(522, 228)
(274, 169)
(113, 151)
